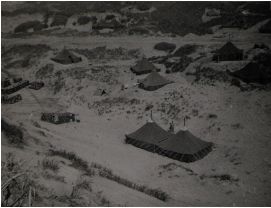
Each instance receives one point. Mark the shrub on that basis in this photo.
(138, 31)
(83, 20)
(235, 82)
(40, 27)
(110, 17)
(24, 27)
(212, 116)
(168, 47)
(77, 162)
(186, 50)
(81, 184)
(93, 18)
(237, 126)
(148, 107)
(45, 71)
(167, 71)
(182, 65)
(195, 112)
(13, 133)
(50, 164)
(59, 20)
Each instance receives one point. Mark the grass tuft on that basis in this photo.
(50, 164)
(77, 162)
(13, 133)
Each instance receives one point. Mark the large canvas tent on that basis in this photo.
(66, 57)
(144, 66)
(229, 52)
(102, 24)
(153, 81)
(148, 136)
(253, 72)
(185, 147)
(266, 28)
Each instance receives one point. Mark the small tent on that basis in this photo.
(153, 81)
(185, 147)
(99, 92)
(148, 136)
(102, 24)
(253, 72)
(66, 57)
(266, 28)
(144, 66)
(229, 52)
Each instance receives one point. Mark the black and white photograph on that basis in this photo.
(136, 103)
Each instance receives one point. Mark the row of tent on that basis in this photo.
(229, 52)
(182, 146)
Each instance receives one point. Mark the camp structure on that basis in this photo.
(229, 52)
(15, 87)
(253, 72)
(153, 81)
(147, 137)
(144, 66)
(15, 80)
(58, 118)
(11, 100)
(66, 57)
(184, 147)
(36, 85)
(102, 24)
(5, 83)
(99, 92)
(266, 28)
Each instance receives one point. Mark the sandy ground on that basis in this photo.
(243, 153)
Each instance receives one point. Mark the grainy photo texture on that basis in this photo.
(132, 103)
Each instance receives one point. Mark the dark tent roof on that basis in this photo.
(66, 57)
(154, 79)
(253, 72)
(184, 143)
(105, 24)
(143, 66)
(99, 92)
(228, 48)
(150, 133)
